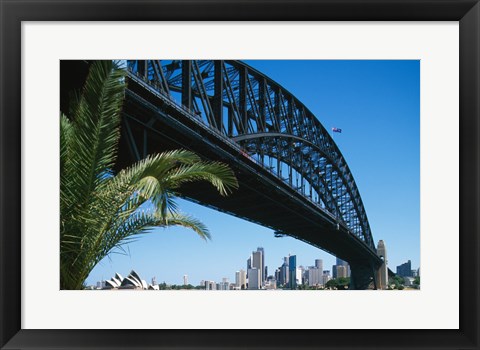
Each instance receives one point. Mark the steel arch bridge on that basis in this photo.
(293, 178)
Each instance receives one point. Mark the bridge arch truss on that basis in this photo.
(270, 126)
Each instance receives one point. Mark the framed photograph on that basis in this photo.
(301, 107)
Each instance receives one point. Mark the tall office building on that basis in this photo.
(254, 278)
(224, 284)
(185, 280)
(210, 285)
(299, 276)
(257, 263)
(283, 273)
(319, 264)
(292, 271)
(249, 264)
(341, 271)
(341, 262)
(405, 270)
(241, 279)
(326, 276)
(382, 274)
(315, 276)
(264, 271)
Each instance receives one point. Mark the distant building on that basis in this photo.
(257, 263)
(224, 285)
(241, 279)
(341, 262)
(405, 270)
(277, 274)
(210, 285)
(283, 273)
(382, 273)
(325, 277)
(299, 275)
(292, 271)
(315, 277)
(254, 278)
(271, 284)
(185, 280)
(319, 264)
(341, 271)
(264, 268)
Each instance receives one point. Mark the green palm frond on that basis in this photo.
(96, 124)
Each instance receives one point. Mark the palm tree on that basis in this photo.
(101, 211)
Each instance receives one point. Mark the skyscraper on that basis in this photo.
(341, 271)
(292, 271)
(264, 273)
(315, 276)
(325, 277)
(405, 270)
(341, 262)
(382, 274)
(254, 276)
(319, 264)
(283, 272)
(257, 262)
(224, 284)
(241, 279)
(185, 280)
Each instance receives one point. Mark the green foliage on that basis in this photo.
(416, 281)
(396, 281)
(181, 286)
(332, 284)
(100, 211)
(338, 283)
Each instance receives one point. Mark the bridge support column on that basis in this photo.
(363, 276)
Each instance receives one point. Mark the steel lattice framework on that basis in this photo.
(269, 125)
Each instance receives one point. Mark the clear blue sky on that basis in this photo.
(377, 106)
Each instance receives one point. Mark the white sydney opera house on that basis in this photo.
(132, 281)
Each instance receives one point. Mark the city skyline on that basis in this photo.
(376, 104)
(310, 274)
(332, 271)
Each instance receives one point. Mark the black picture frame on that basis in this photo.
(13, 12)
